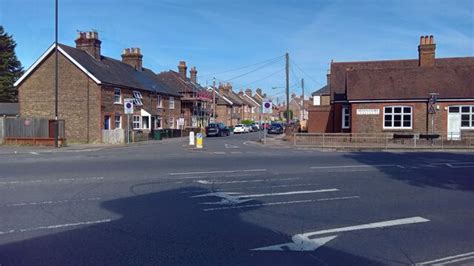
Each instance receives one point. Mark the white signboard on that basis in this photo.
(128, 106)
(368, 111)
(180, 121)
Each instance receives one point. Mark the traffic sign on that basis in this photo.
(267, 106)
(128, 106)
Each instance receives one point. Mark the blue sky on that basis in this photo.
(219, 35)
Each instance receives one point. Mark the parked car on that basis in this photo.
(217, 129)
(239, 129)
(254, 127)
(275, 129)
(248, 128)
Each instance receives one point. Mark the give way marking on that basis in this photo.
(303, 242)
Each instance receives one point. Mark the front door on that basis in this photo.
(107, 122)
(454, 126)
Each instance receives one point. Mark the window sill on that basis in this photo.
(118, 103)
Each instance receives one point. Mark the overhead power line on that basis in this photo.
(255, 69)
(244, 67)
(264, 78)
(304, 72)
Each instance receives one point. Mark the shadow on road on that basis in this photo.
(167, 228)
(424, 169)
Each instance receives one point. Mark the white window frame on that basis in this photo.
(119, 94)
(171, 102)
(346, 114)
(402, 114)
(139, 121)
(159, 101)
(115, 121)
(470, 113)
(149, 121)
(158, 118)
(137, 98)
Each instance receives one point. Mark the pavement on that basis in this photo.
(235, 202)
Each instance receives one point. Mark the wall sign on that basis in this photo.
(368, 111)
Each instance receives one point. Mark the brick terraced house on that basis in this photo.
(92, 88)
(393, 96)
(195, 100)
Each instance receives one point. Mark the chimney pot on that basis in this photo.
(133, 57)
(89, 42)
(193, 73)
(182, 68)
(426, 51)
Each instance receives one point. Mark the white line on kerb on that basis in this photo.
(219, 172)
(49, 227)
(353, 166)
(450, 259)
(49, 202)
(278, 203)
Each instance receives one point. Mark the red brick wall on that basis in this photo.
(320, 119)
(421, 121)
(78, 102)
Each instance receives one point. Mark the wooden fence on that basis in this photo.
(31, 131)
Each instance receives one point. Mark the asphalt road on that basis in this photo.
(235, 202)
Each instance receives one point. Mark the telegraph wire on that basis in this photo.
(304, 72)
(244, 67)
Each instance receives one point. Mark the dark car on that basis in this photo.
(217, 129)
(275, 129)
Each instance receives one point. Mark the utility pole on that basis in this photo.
(214, 100)
(56, 122)
(287, 70)
(302, 100)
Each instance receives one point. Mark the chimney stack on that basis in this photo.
(426, 51)
(133, 57)
(248, 92)
(259, 92)
(182, 68)
(89, 42)
(193, 73)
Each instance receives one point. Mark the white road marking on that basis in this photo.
(236, 152)
(220, 172)
(49, 202)
(303, 242)
(289, 193)
(245, 188)
(450, 259)
(227, 146)
(219, 152)
(34, 153)
(49, 227)
(460, 165)
(211, 182)
(353, 166)
(49, 180)
(278, 203)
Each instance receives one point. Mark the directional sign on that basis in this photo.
(304, 242)
(128, 106)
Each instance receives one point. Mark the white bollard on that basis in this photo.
(191, 138)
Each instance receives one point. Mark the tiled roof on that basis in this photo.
(339, 70)
(451, 82)
(115, 72)
(9, 109)
(178, 84)
(233, 97)
(323, 91)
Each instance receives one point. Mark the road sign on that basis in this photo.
(199, 140)
(128, 106)
(267, 106)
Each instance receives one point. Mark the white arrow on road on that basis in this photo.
(303, 242)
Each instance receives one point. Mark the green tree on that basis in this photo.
(10, 68)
